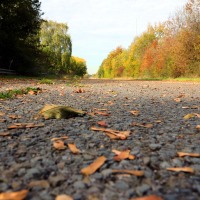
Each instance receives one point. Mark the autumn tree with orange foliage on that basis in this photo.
(169, 49)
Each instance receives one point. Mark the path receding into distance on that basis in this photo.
(158, 131)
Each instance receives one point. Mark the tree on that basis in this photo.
(77, 66)
(56, 43)
(19, 26)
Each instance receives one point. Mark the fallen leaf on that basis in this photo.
(25, 125)
(181, 169)
(31, 92)
(60, 138)
(113, 134)
(79, 90)
(132, 172)
(73, 148)
(102, 123)
(178, 100)
(149, 197)
(63, 197)
(182, 154)
(4, 134)
(121, 155)
(59, 112)
(14, 116)
(94, 166)
(2, 120)
(135, 112)
(2, 114)
(40, 183)
(191, 115)
(59, 144)
(198, 127)
(101, 113)
(142, 125)
(20, 195)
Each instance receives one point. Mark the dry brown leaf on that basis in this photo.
(15, 116)
(20, 195)
(94, 166)
(135, 112)
(101, 113)
(40, 183)
(63, 197)
(132, 172)
(59, 144)
(2, 120)
(181, 169)
(149, 197)
(113, 134)
(101, 109)
(178, 100)
(2, 114)
(182, 154)
(102, 123)
(31, 92)
(80, 90)
(73, 148)
(142, 125)
(198, 127)
(25, 125)
(60, 138)
(4, 134)
(121, 155)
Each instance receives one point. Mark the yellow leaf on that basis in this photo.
(20, 195)
(182, 154)
(191, 115)
(181, 169)
(94, 166)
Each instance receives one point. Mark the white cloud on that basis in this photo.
(98, 26)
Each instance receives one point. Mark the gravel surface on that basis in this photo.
(27, 155)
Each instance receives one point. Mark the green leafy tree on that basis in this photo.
(19, 26)
(56, 44)
(77, 66)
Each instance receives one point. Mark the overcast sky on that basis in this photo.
(99, 26)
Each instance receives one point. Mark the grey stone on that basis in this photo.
(121, 185)
(79, 185)
(154, 146)
(140, 190)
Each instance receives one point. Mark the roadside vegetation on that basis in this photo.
(167, 50)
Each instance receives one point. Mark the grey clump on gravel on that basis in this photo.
(28, 155)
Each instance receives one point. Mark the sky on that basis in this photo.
(97, 27)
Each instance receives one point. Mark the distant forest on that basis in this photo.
(168, 49)
(32, 46)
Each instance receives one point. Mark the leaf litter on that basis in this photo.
(93, 167)
(19, 195)
(113, 134)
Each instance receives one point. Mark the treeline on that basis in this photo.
(32, 46)
(169, 49)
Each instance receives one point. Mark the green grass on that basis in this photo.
(12, 93)
(46, 81)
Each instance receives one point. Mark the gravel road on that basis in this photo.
(158, 129)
